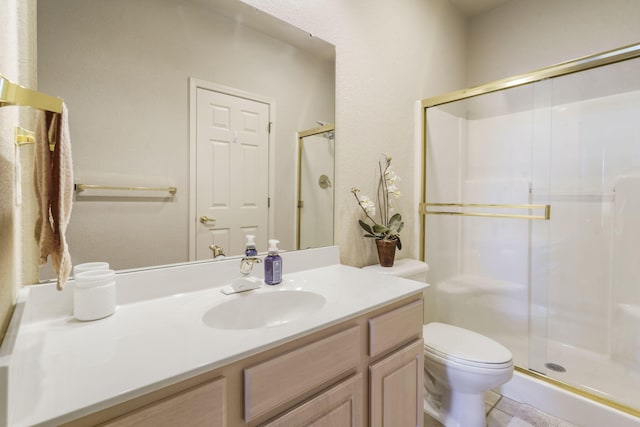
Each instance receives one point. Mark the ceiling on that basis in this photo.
(476, 7)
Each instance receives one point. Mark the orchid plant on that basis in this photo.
(389, 224)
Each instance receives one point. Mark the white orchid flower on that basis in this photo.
(368, 205)
(390, 224)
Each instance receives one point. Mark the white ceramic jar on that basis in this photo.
(94, 296)
(87, 266)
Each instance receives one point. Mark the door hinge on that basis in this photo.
(269, 127)
(268, 202)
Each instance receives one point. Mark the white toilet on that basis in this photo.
(460, 365)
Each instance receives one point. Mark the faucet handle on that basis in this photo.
(217, 251)
(246, 264)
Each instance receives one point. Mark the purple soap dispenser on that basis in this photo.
(273, 265)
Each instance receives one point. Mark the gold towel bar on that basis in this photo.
(14, 94)
(83, 187)
(546, 216)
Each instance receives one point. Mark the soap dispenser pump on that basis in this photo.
(273, 265)
(250, 248)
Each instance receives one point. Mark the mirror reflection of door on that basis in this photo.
(232, 162)
(316, 154)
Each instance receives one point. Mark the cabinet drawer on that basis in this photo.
(276, 381)
(394, 328)
(202, 405)
(340, 406)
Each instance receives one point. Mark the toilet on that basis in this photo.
(459, 364)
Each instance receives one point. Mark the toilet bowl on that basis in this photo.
(459, 364)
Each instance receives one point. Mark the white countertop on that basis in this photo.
(62, 369)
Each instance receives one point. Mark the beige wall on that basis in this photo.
(524, 35)
(17, 51)
(388, 56)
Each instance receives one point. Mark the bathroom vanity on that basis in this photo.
(345, 349)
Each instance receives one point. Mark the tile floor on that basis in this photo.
(504, 412)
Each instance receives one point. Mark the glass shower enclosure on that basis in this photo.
(316, 166)
(531, 220)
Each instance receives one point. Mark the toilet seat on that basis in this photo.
(465, 347)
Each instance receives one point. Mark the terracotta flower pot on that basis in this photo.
(386, 252)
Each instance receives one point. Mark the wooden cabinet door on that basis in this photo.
(396, 388)
(340, 406)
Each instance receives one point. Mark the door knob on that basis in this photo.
(324, 182)
(205, 219)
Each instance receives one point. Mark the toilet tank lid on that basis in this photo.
(464, 344)
(402, 268)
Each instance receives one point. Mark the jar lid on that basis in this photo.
(94, 278)
(99, 265)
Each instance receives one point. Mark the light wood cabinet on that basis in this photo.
(279, 380)
(396, 327)
(340, 406)
(396, 388)
(364, 371)
(396, 374)
(203, 405)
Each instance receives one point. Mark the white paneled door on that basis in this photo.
(232, 161)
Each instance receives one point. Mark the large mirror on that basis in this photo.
(130, 71)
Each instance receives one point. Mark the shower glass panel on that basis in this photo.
(315, 187)
(481, 243)
(594, 281)
(561, 292)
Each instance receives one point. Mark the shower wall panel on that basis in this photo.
(595, 139)
(626, 278)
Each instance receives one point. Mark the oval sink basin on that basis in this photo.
(263, 310)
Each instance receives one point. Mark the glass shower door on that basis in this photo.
(486, 238)
(594, 297)
(316, 159)
(561, 292)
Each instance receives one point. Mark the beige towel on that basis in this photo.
(54, 189)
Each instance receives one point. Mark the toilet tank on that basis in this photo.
(414, 270)
(407, 268)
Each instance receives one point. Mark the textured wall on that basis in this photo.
(524, 35)
(16, 54)
(388, 56)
